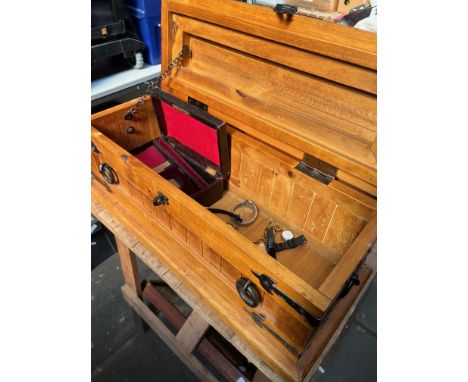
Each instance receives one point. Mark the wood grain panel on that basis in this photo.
(164, 217)
(280, 195)
(331, 69)
(194, 243)
(297, 98)
(307, 264)
(286, 322)
(179, 230)
(299, 205)
(343, 229)
(320, 215)
(212, 257)
(231, 273)
(249, 174)
(265, 186)
(347, 44)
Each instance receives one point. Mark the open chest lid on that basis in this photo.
(193, 129)
(303, 85)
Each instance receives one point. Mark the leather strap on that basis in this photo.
(273, 248)
(292, 243)
(236, 217)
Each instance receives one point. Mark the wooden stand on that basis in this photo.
(191, 331)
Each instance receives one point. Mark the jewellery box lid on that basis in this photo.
(303, 85)
(194, 128)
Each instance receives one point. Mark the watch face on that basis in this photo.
(287, 235)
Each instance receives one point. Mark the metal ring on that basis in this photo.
(247, 203)
(108, 173)
(248, 292)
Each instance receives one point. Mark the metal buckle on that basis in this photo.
(250, 204)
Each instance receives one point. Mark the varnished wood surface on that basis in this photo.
(281, 316)
(210, 289)
(234, 248)
(312, 262)
(299, 86)
(111, 123)
(351, 259)
(129, 267)
(331, 215)
(327, 39)
(292, 152)
(256, 80)
(305, 366)
(315, 64)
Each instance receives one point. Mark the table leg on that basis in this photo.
(129, 267)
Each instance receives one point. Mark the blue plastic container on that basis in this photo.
(144, 8)
(146, 15)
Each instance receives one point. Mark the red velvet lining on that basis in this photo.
(192, 133)
(151, 157)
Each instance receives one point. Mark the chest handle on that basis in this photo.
(108, 173)
(248, 292)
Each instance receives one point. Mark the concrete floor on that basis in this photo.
(120, 352)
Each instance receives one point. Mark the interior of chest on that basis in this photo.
(329, 216)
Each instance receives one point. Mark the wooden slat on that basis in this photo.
(265, 186)
(179, 230)
(191, 333)
(350, 260)
(300, 200)
(212, 257)
(331, 69)
(356, 182)
(194, 243)
(249, 174)
(281, 193)
(320, 214)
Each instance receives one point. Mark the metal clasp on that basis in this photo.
(160, 200)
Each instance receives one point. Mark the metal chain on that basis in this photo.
(155, 83)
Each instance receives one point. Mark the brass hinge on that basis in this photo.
(317, 169)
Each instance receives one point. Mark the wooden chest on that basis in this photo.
(299, 99)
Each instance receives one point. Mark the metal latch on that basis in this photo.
(317, 169)
(285, 9)
(198, 103)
